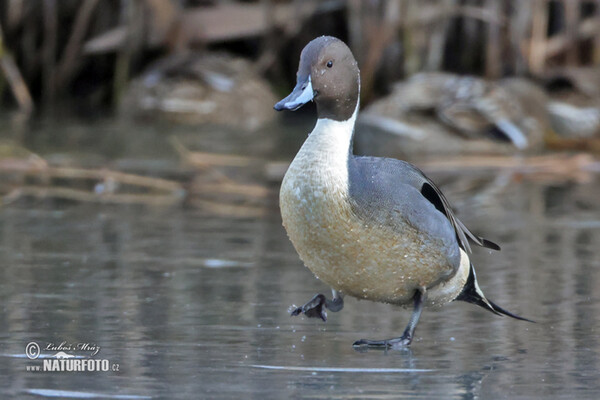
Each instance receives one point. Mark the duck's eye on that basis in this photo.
(329, 64)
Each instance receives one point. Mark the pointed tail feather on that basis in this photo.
(501, 311)
(471, 293)
(513, 133)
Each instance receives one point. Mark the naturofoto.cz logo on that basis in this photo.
(61, 358)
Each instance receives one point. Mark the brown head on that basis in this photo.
(329, 75)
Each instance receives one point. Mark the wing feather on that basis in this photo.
(389, 170)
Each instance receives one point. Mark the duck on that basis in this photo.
(369, 227)
(441, 112)
(201, 88)
(574, 101)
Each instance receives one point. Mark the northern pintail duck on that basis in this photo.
(447, 113)
(372, 228)
(202, 88)
(574, 101)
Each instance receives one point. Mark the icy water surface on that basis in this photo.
(192, 305)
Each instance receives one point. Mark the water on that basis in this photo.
(194, 305)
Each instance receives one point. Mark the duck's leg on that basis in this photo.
(407, 336)
(316, 306)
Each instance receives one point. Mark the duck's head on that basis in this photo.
(329, 75)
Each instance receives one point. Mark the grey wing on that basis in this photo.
(374, 180)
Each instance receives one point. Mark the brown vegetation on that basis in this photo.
(90, 48)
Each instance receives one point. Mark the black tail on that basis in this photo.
(471, 293)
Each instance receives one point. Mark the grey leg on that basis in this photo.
(337, 301)
(315, 308)
(407, 336)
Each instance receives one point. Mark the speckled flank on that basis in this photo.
(369, 262)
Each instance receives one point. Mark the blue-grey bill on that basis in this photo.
(302, 94)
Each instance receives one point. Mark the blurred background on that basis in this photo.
(199, 78)
(140, 163)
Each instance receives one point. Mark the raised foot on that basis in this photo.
(395, 343)
(315, 308)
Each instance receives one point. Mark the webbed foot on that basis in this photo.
(403, 341)
(315, 308)
(406, 339)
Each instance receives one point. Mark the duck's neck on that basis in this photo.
(333, 139)
(321, 165)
